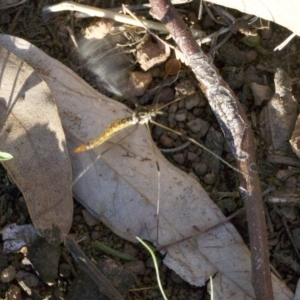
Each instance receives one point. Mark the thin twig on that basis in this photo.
(233, 121)
(13, 4)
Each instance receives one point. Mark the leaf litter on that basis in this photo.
(112, 192)
(75, 122)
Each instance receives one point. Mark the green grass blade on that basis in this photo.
(155, 266)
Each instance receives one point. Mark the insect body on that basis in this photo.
(138, 117)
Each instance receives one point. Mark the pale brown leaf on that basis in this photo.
(31, 131)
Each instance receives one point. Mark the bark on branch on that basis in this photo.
(238, 133)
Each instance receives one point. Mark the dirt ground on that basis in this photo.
(242, 64)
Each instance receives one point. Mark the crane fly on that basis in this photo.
(140, 118)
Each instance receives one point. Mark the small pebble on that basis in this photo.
(191, 156)
(14, 293)
(173, 108)
(192, 101)
(27, 278)
(8, 274)
(181, 115)
(210, 178)
(179, 158)
(200, 169)
(131, 250)
(95, 235)
(165, 141)
(166, 95)
(139, 83)
(190, 116)
(185, 87)
(198, 126)
(155, 72)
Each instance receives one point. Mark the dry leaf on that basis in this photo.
(286, 14)
(121, 187)
(31, 131)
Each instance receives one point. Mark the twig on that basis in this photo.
(13, 4)
(238, 133)
(104, 13)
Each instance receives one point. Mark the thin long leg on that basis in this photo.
(198, 144)
(99, 156)
(158, 187)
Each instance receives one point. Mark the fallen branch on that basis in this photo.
(238, 133)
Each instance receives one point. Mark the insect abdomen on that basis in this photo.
(108, 132)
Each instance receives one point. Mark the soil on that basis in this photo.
(240, 65)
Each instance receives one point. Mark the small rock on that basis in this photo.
(89, 219)
(98, 29)
(192, 101)
(200, 169)
(231, 55)
(185, 87)
(181, 104)
(251, 55)
(139, 83)
(190, 117)
(8, 274)
(198, 111)
(29, 279)
(173, 108)
(210, 178)
(152, 53)
(179, 158)
(166, 95)
(260, 92)
(135, 267)
(131, 250)
(165, 141)
(155, 72)
(181, 115)
(199, 126)
(14, 293)
(192, 156)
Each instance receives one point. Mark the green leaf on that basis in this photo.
(5, 156)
